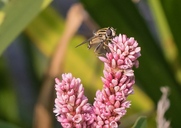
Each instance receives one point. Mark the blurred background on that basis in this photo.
(37, 44)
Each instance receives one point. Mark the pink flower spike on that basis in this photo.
(110, 104)
(70, 101)
(122, 58)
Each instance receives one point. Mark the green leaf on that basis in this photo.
(15, 16)
(172, 10)
(170, 46)
(140, 123)
(45, 32)
(7, 125)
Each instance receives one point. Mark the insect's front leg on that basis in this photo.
(88, 46)
(98, 47)
(107, 41)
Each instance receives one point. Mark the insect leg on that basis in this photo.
(98, 46)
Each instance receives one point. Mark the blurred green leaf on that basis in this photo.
(45, 31)
(8, 99)
(8, 108)
(7, 125)
(169, 46)
(15, 16)
(172, 11)
(140, 123)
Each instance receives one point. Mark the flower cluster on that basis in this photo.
(110, 103)
(72, 107)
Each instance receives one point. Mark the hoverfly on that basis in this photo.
(101, 37)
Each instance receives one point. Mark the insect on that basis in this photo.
(101, 37)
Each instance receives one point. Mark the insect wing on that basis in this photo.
(97, 39)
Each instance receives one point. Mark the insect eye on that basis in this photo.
(109, 32)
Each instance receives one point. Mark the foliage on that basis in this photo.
(140, 123)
